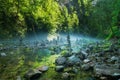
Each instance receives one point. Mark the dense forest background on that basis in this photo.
(98, 18)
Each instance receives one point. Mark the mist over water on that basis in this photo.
(51, 37)
(49, 40)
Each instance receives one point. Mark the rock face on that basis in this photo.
(32, 74)
(60, 61)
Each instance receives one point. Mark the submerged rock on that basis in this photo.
(33, 74)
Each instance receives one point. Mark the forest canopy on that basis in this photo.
(98, 18)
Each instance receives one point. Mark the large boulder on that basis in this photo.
(109, 72)
(60, 61)
(73, 60)
(32, 74)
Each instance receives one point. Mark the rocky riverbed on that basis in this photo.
(92, 61)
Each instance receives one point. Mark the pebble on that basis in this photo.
(3, 54)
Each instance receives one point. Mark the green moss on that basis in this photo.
(49, 61)
(21, 60)
(63, 52)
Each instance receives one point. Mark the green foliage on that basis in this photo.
(104, 18)
(18, 18)
(49, 15)
(11, 21)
